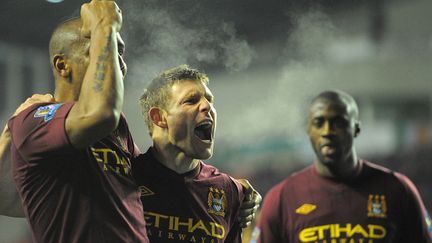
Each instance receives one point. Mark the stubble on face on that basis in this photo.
(191, 108)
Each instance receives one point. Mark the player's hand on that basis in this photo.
(36, 98)
(100, 13)
(250, 204)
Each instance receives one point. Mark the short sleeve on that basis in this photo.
(39, 131)
(416, 221)
(239, 192)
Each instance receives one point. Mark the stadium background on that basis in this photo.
(265, 60)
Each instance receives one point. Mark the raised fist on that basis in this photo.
(99, 14)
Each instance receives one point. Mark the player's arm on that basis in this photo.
(268, 228)
(98, 109)
(241, 200)
(10, 202)
(417, 222)
(249, 206)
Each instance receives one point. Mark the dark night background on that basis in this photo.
(265, 60)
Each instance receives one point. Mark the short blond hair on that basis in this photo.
(157, 93)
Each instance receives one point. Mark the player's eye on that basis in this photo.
(191, 100)
(318, 122)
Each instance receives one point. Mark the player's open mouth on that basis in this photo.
(204, 131)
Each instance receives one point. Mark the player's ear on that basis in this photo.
(60, 65)
(357, 129)
(157, 116)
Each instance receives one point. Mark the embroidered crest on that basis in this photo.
(305, 209)
(47, 112)
(377, 206)
(216, 201)
(145, 191)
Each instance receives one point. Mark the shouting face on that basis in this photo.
(191, 119)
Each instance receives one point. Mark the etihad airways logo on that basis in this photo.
(342, 233)
(184, 229)
(110, 160)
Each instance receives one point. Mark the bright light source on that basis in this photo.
(54, 1)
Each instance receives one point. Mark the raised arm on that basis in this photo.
(97, 111)
(416, 225)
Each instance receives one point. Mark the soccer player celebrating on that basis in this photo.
(185, 199)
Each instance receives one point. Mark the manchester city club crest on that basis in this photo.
(377, 206)
(216, 201)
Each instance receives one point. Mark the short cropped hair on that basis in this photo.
(58, 35)
(157, 93)
(340, 96)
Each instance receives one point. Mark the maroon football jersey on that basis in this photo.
(379, 206)
(74, 195)
(199, 206)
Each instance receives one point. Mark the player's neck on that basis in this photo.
(349, 169)
(174, 159)
(66, 92)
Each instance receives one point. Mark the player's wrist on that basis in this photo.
(108, 23)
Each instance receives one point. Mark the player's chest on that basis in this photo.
(178, 210)
(343, 215)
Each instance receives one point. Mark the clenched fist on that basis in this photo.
(99, 14)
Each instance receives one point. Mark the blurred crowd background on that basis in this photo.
(265, 60)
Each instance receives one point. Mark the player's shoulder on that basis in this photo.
(375, 170)
(142, 160)
(123, 125)
(41, 112)
(211, 173)
(371, 169)
(208, 170)
(146, 170)
(297, 177)
(33, 115)
(289, 184)
(36, 110)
